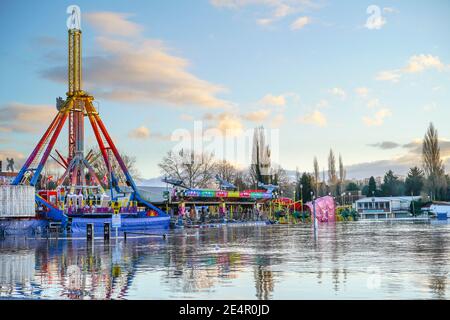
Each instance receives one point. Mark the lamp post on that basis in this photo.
(313, 198)
(301, 196)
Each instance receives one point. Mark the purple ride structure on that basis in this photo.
(80, 198)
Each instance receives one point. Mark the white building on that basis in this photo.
(384, 207)
(439, 208)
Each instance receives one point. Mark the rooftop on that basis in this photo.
(400, 198)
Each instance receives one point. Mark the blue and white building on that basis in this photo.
(384, 207)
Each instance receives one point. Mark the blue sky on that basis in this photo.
(319, 71)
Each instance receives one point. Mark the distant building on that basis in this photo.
(439, 208)
(384, 207)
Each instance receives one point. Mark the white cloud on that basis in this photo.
(277, 121)
(322, 104)
(264, 22)
(373, 103)
(421, 62)
(272, 10)
(23, 118)
(393, 75)
(362, 92)
(272, 100)
(141, 70)
(140, 133)
(300, 23)
(316, 118)
(338, 92)
(229, 124)
(378, 118)
(113, 23)
(257, 116)
(389, 10)
(416, 64)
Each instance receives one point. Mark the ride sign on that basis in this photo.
(116, 220)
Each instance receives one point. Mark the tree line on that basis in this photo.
(428, 178)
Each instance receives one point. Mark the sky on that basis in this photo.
(364, 78)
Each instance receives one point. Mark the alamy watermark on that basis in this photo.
(242, 147)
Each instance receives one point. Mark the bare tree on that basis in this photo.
(432, 163)
(99, 165)
(281, 179)
(261, 163)
(323, 184)
(195, 170)
(243, 180)
(225, 170)
(332, 177)
(316, 176)
(342, 174)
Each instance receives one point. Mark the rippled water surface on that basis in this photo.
(347, 260)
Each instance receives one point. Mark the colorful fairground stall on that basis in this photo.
(199, 204)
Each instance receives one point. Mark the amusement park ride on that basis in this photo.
(79, 197)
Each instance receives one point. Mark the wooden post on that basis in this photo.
(90, 231)
(106, 231)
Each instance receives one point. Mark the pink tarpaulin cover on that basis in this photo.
(325, 209)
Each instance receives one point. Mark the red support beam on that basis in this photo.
(49, 148)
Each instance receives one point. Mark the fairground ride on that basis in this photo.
(79, 192)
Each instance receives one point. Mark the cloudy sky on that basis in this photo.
(362, 77)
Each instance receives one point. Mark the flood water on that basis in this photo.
(354, 260)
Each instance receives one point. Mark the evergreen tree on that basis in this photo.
(414, 181)
(307, 181)
(352, 187)
(392, 186)
(372, 188)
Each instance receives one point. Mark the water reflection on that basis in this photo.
(348, 260)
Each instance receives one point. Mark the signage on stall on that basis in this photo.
(116, 220)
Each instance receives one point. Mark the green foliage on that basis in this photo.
(352, 187)
(392, 186)
(371, 188)
(349, 215)
(414, 181)
(416, 207)
(307, 182)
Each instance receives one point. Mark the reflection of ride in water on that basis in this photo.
(186, 261)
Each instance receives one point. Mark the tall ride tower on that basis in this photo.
(77, 167)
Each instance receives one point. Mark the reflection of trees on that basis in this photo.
(438, 275)
(192, 262)
(201, 260)
(264, 282)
